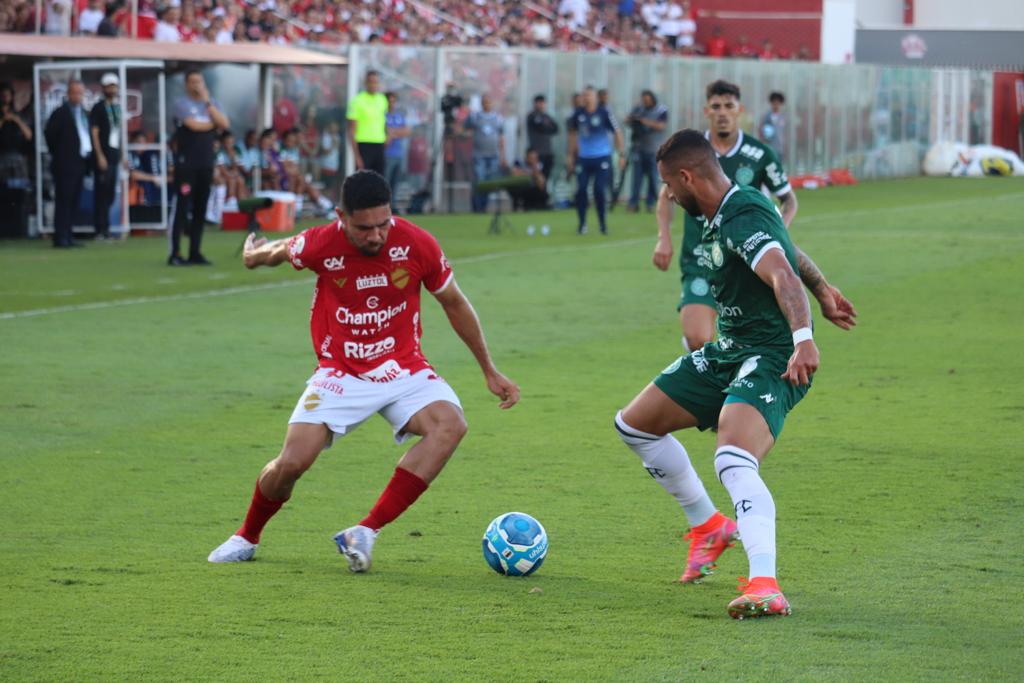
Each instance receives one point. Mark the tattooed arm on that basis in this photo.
(834, 306)
(775, 271)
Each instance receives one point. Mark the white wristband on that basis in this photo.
(802, 335)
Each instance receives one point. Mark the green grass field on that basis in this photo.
(132, 429)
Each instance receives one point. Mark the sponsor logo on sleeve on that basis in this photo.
(776, 174)
(334, 263)
(749, 247)
(297, 245)
(370, 281)
(444, 262)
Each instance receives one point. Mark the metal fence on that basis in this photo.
(876, 121)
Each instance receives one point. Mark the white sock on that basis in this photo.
(325, 203)
(667, 462)
(755, 510)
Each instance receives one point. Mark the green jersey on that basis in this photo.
(746, 227)
(751, 163)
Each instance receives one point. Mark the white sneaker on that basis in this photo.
(356, 544)
(235, 549)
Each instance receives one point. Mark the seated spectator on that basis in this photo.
(144, 175)
(330, 158)
(291, 158)
(535, 197)
(743, 49)
(249, 156)
(229, 167)
(272, 173)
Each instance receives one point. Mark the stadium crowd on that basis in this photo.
(633, 26)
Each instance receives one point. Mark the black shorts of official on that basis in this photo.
(373, 156)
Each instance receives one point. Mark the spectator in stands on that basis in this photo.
(367, 125)
(167, 26)
(540, 131)
(488, 132)
(249, 157)
(396, 153)
(716, 46)
(272, 173)
(535, 197)
(575, 11)
(145, 175)
(221, 34)
(743, 49)
(15, 137)
(687, 29)
(188, 27)
(105, 121)
(773, 125)
(230, 166)
(70, 146)
(647, 123)
(58, 18)
(767, 50)
(90, 18)
(291, 159)
(670, 25)
(197, 118)
(330, 159)
(108, 27)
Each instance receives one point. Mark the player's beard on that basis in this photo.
(724, 134)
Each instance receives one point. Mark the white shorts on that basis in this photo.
(342, 402)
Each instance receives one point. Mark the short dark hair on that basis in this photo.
(776, 96)
(391, 93)
(192, 71)
(372, 72)
(649, 93)
(687, 148)
(721, 87)
(540, 98)
(364, 190)
(224, 134)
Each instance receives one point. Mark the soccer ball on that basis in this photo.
(515, 544)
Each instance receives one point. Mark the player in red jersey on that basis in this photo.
(366, 331)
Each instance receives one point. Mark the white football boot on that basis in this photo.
(356, 544)
(235, 549)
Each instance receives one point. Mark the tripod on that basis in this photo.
(498, 220)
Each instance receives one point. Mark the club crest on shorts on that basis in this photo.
(311, 401)
(699, 286)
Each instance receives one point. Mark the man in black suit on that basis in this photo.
(70, 146)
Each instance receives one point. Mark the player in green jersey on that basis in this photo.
(746, 161)
(744, 384)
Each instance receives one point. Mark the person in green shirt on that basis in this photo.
(744, 384)
(367, 125)
(746, 161)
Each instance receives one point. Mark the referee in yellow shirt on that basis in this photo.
(367, 125)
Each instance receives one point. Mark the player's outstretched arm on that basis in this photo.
(834, 306)
(664, 213)
(466, 324)
(774, 270)
(261, 252)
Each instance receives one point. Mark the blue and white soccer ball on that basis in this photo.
(515, 544)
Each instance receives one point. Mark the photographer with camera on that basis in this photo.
(647, 123)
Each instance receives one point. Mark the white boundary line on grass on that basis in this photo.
(245, 289)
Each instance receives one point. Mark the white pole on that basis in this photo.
(135, 18)
(162, 135)
(40, 141)
(122, 176)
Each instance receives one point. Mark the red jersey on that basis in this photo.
(365, 319)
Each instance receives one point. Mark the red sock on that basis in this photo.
(261, 509)
(401, 492)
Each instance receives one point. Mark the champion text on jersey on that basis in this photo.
(370, 318)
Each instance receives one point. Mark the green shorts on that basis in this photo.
(705, 380)
(696, 290)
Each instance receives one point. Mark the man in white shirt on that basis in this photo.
(90, 18)
(167, 26)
